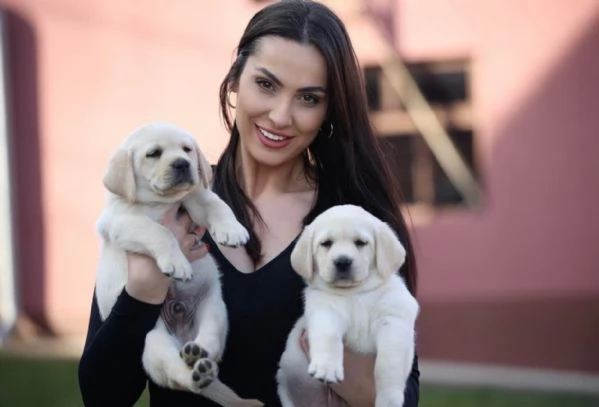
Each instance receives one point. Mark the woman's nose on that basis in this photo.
(280, 113)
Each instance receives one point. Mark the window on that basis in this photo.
(445, 85)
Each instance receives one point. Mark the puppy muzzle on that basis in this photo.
(181, 172)
(343, 271)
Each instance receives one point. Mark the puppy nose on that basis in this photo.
(342, 264)
(180, 164)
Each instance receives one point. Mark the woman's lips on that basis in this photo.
(271, 139)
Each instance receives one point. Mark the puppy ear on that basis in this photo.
(302, 259)
(120, 177)
(390, 253)
(204, 168)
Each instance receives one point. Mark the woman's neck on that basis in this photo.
(259, 180)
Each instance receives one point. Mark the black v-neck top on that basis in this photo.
(262, 308)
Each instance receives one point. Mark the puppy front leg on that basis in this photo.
(140, 234)
(395, 353)
(325, 335)
(207, 209)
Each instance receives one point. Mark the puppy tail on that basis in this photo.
(222, 394)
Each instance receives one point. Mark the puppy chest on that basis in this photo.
(360, 330)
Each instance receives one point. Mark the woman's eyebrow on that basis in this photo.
(277, 82)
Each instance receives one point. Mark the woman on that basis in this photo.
(300, 142)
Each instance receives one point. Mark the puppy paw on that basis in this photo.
(230, 233)
(175, 266)
(204, 372)
(326, 370)
(191, 352)
(389, 398)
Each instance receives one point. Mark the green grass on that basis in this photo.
(41, 382)
(442, 396)
(53, 383)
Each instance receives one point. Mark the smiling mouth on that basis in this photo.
(271, 139)
(271, 136)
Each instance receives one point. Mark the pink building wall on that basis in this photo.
(517, 281)
(513, 282)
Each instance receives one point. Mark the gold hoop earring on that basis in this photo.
(231, 105)
(320, 131)
(330, 131)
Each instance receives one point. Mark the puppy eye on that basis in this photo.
(155, 153)
(327, 243)
(360, 243)
(187, 149)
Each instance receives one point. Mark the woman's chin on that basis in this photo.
(269, 157)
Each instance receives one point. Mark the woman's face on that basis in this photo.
(281, 101)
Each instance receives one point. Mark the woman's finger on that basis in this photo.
(178, 221)
(200, 231)
(170, 215)
(193, 247)
(184, 220)
(198, 253)
(189, 241)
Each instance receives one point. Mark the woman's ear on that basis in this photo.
(302, 259)
(120, 177)
(390, 253)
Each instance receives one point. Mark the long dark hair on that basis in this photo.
(347, 166)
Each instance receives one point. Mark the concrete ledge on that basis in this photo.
(44, 347)
(508, 377)
(431, 371)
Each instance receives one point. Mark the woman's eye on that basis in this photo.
(155, 153)
(310, 99)
(265, 84)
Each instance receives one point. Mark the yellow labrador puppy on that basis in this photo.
(158, 166)
(354, 296)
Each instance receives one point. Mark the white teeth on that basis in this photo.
(271, 136)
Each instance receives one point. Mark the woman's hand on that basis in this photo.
(357, 387)
(145, 281)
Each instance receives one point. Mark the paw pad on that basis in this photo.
(192, 352)
(204, 372)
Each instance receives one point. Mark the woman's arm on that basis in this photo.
(110, 369)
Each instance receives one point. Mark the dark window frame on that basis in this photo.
(446, 86)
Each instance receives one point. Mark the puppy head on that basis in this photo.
(157, 163)
(346, 247)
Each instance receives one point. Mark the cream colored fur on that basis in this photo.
(156, 167)
(354, 297)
